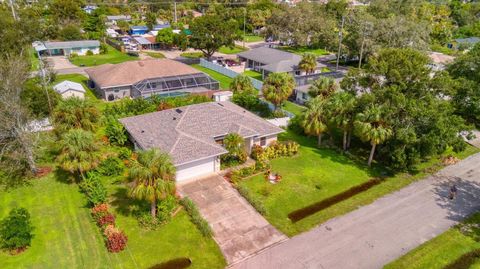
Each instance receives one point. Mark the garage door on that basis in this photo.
(195, 169)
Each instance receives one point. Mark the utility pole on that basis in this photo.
(340, 37)
(13, 10)
(244, 25)
(43, 74)
(175, 15)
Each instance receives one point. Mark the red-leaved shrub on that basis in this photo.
(107, 219)
(99, 211)
(116, 239)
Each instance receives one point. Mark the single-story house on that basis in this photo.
(268, 60)
(146, 78)
(193, 135)
(69, 89)
(464, 43)
(111, 33)
(65, 48)
(301, 93)
(146, 42)
(113, 19)
(138, 30)
(159, 27)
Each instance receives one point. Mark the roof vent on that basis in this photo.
(178, 110)
(174, 118)
(143, 131)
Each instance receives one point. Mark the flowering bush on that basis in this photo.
(116, 239)
(107, 219)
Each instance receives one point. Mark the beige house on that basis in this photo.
(193, 135)
(69, 89)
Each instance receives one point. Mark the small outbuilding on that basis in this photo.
(69, 89)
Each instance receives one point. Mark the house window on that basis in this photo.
(263, 141)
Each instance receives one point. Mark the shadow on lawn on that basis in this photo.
(125, 205)
(466, 200)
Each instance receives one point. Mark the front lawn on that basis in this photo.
(253, 74)
(253, 38)
(316, 174)
(234, 50)
(439, 251)
(222, 79)
(157, 55)
(113, 56)
(193, 55)
(302, 50)
(293, 108)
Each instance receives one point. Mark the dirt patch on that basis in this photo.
(302, 213)
(179, 263)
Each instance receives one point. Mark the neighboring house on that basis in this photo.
(193, 135)
(301, 94)
(268, 60)
(146, 78)
(113, 19)
(439, 60)
(159, 27)
(222, 96)
(111, 33)
(465, 43)
(89, 9)
(65, 48)
(138, 30)
(69, 89)
(146, 42)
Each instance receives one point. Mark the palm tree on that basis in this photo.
(75, 113)
(235, 144)
(79, 152)
(314, 121)
(242, 84)
(371, 126)
(308, 63)
(341, 109)
(153, 177)
(277, 87)
(324, 87)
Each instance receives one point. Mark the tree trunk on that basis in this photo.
(153, 208)
(349, 139)
(370, 159)
(361, 53)
(320, 140)
(345, 140)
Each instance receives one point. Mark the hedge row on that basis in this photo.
(197, 219)
(465, 261)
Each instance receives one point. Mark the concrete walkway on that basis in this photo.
(378, 233)
(238, 229)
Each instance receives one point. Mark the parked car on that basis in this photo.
(231, 62)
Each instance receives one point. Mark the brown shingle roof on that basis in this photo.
(128, 73)
(188, 133)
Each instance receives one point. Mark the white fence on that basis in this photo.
(257, 84)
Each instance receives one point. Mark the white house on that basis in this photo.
(66, 48)
(69, 89)
(193, 135)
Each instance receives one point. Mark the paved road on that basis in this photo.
(383, 231)
(238, 229)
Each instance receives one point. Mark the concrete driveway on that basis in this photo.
(378, 233)
(238, 229)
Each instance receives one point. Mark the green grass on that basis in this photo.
(439, 251)
(302, 50)
(234, 50)
(192, 54)
(222, 79)
(252, 38)
(254, 74)
(315, 174)
(34, 61)
(157, 55)
(293, 108)
(113, 56)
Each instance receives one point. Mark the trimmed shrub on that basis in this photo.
(197, 219)
(103, 48)
(99, 211)
(256, 152)
(107, 219)
(257, 204)
(94, 189)
(89, 53)
(16, 230)
(116, 239)
(112, 166)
